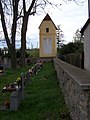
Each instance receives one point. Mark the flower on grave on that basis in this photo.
(7, 103)
(30, 71)
(18, 79)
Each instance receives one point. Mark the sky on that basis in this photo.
(70, 16)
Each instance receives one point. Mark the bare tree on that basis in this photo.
(10, 41)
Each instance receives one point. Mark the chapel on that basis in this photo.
(47, 38)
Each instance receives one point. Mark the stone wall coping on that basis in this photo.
(82, 77)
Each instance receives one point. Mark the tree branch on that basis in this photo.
(31, 6)
(24, 7)
(14, 24)
(21, 16)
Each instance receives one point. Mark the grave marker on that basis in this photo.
(22, 86)
(14, 103)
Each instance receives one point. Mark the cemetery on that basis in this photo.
(17, 88)
(50, 89)
(41, 98)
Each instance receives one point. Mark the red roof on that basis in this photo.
(48, 18)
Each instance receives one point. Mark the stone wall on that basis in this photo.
(75, 85)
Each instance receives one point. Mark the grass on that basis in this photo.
(33, 52)
(44, 99)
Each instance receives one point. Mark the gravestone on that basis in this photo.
(27, 80)
(22, 86)
(2, 69)
(19, 95)
(14, 103)
(7, 62)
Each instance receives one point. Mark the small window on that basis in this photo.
(47, 30)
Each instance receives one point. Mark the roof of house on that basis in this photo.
(48, 18)
(85, 26)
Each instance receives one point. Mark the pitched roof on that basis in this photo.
(85, 26)
(48, 18)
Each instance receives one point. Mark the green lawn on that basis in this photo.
(44, 99)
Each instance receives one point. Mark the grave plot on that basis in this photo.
(16, 90)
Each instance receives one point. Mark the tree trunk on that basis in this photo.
(23, 39)
(11, 47)
(13, 57)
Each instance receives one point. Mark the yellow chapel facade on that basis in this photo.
(47, 38)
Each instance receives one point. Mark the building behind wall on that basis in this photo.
(47, 38)
(86, 32)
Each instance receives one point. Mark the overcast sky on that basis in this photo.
(70, 16)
